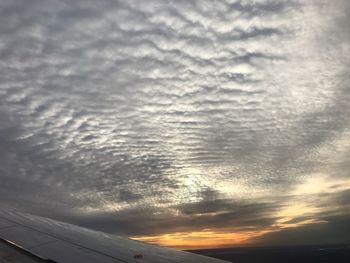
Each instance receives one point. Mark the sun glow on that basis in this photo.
(203, 239)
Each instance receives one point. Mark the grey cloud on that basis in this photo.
(212, 201)
(343, 199)
(334, 231)
(148, 221)
(128, 196)
(263, 8)
(226, 209)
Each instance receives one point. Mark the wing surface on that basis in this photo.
(47, 239)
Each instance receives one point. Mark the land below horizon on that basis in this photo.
(285, 254)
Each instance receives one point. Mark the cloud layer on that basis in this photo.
(170, 116)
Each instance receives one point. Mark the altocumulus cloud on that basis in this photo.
(152, 117)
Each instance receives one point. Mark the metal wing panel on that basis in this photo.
(69, 253)
(24, 237)
(5, 223)
(112, 246)
(10, 254)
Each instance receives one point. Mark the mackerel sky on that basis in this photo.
(186, 123)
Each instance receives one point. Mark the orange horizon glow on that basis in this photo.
(202, 239)
(211, 239)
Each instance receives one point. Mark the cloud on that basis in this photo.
(333, 231)
(170, 115)
(343, 197)
(150, 221)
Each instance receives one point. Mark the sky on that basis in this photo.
(187, 123)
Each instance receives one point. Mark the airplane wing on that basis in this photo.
(28, 238)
